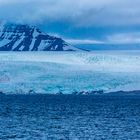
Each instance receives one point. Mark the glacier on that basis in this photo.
(52, 72)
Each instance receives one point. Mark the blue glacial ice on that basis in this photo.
(51, 72)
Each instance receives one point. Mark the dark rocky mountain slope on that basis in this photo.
(15, 37)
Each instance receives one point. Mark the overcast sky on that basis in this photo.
(85, 21)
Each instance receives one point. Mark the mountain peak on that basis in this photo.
(17, 37)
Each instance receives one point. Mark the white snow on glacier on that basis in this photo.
(51, 72)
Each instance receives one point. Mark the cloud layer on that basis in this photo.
(79, 13)
(98, 21)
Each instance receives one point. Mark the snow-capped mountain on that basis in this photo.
(15, 37)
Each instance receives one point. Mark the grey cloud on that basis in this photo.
(78, 13)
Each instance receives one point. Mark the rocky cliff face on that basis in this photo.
(28, 38)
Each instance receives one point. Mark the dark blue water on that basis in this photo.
(67, 117)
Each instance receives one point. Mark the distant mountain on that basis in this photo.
(15, 37)
(98, 47)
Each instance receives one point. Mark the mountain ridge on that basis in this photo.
(19, 37)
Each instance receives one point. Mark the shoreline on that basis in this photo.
(135, 92)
